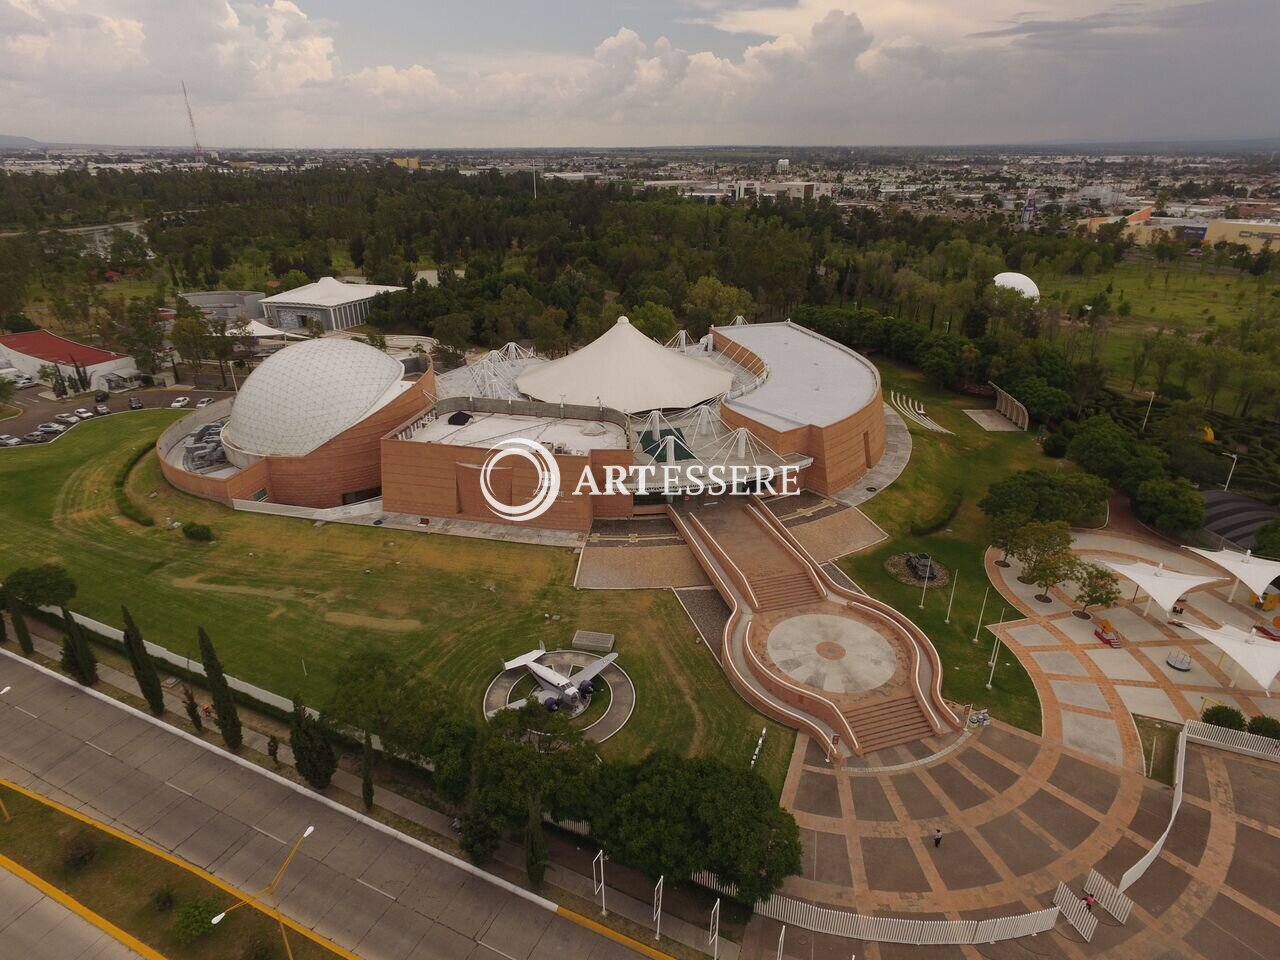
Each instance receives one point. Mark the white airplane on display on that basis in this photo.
(555, 690)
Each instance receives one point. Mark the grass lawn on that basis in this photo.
(120, 880)
(1162, 737)
(967, 462)
(275, 592)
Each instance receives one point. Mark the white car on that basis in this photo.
(8, 441)
(205, 401)
(22, 383)
(70, 419)
(51, 427)
(84, 414)
(181, 402)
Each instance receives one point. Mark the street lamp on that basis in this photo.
(1148, 413)
(270, 891)
(1230, 473)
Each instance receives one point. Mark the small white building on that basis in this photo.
(336, 305)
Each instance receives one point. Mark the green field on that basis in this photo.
(277, 593)
(968, 462)
(1183, 297)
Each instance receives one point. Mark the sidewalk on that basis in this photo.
(346, 788)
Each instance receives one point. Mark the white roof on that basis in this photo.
(487, 429)
(308, 393)
(1256, 573)
(812, 380)
(1259, 655)
(256, 328)
(624, 370)
(328, 292)
(1020, 282)
(1163, 585)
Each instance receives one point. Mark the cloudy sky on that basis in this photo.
(445, 73)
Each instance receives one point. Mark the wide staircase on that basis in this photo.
(886, 723)
(783, 590)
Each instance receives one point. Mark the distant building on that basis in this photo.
(784, 166)
(229, 305)
(406, 163)
(30, 351)
(1143, 228)
(336, 305)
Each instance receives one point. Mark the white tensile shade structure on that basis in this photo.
(1160, 584)
(1259, 656)
(1255, 572)
(626, 371)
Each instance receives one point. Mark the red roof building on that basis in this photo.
(50, 348)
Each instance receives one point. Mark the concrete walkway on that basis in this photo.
(36, 927)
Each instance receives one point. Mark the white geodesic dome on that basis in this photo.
(307, 394)
(1018, 281)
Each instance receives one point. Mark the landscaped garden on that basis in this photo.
(284, 599)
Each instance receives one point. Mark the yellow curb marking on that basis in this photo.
(614, 935)
(76, 907)
(190, 868)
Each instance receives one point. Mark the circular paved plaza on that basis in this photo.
(831, 653)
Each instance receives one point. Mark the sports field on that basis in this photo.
(283, 599)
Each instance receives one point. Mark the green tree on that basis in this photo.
(1044, 549)
(78, 659)
(369, 689)
(1096, 586)
(1171, 505)
(709, 302)
(224, 705)
(313, 754)
(366, 770)
(654, 321)
(20, 630)
(144, 668)
(1268, 540)
(48, 585)
(193, 709)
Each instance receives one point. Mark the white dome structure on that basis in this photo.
(307, 394)
(1018, 281)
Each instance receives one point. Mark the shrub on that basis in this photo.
(197, 531)
(1220, 715)
(79, 849)
(162, 900)
(1265, 726)
(1055, 445)
(195, 921)
(126, 506)
(939, 518)
(259, 950)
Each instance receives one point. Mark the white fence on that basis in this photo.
(1108, 896)
(1237, 741)
(1134, 873)
(842, 923)
(1074, 909)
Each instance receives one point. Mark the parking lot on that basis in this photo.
(37, 409)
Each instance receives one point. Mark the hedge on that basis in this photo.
(939, 518)
(197, 531)
(126, 506)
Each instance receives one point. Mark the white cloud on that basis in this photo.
(826, 71)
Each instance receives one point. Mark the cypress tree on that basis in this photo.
(192, 708)
(144, 668)
(77, 656)
(4, 631)
(224, 704)
(312, 753)
(366, 771)
(19, 622)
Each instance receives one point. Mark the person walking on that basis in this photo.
(1089, 902)
(937, 838)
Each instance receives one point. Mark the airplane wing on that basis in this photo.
(588, 673)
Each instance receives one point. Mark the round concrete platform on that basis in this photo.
(831, 653)
(622, 692)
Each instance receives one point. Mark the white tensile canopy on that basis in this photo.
(1256, 573)
(1259, 656)
(624, 370)
(1160, 584)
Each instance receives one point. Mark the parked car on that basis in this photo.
(8, 441)
(70, 419)
(35, 436)
(135, 403)
(102, 409)
(205, 401)
(22, 383)
(51, 427)
(181, 402)
(84, 414)
(101, 396)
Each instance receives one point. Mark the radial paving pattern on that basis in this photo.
(832, 653)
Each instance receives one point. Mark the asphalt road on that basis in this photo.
(36, 409)
(374, 894)
(35, 927)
